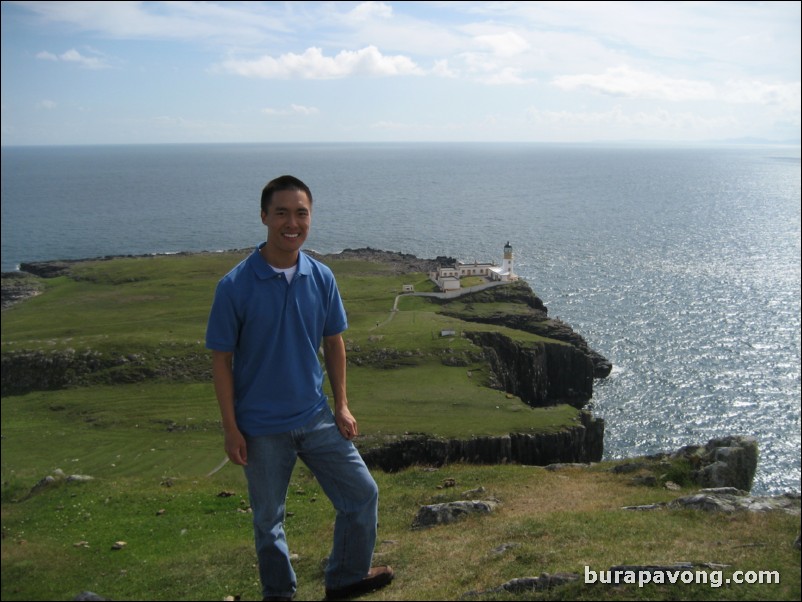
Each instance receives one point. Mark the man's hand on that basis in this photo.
(236, 448)
(346, 422)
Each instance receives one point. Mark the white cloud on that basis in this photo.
(786, 96)
(390, 125)
(669, 65)
(368, 11)
(47, 105)
(313, 64)
(73, 56)
(656, 122)
(304, 110)
(228, 21)
(505, 76)
(292, 110)
(627, 82)
(485, 69)
(503, 44)
(441, 69)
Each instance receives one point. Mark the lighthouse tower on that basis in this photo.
(506, 265)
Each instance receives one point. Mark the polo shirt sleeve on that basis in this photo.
(336, 319)
(222, 330)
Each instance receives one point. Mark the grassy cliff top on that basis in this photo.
(151, 312)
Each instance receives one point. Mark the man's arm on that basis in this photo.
(334, 354)
(224, 389)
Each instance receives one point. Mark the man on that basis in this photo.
(269, 316)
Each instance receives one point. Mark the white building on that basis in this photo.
(447, 278)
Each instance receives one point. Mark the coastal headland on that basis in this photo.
(502, 335)
(517, 381)
(473, 410)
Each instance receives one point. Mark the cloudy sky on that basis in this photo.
(177, 72)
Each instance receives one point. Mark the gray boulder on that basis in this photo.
(449, 512)
(723, 462)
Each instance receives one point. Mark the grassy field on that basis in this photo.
(152, 448)
(190, 538)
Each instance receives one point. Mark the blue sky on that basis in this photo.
(180, 72)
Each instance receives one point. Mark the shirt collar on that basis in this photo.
(264, 271)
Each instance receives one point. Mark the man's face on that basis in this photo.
(288, 218)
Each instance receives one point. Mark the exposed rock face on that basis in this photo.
(448, 512)
(401, 263)
(533, 318)
(18, 286)
(25, 371)
(556, 329)
(730, 499)
(581, 443)
(724, 462)
(544, 582)
(540, 374)
(48, 269)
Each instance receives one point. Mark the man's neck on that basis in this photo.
(277, 259)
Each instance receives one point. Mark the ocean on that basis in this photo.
(681, 265)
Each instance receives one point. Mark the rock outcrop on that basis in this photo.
(729, 462)
(449, 512)
(540, 374)
(17, 287)
(38, 370)
(531, 316)
(731, 499)
(581, 443)
(722, 462)
(399, 263)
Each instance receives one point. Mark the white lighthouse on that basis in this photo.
(504, 273)
(448, 277)
(506, 264)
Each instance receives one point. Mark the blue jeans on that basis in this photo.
(345, 479)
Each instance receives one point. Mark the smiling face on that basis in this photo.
(287, 218)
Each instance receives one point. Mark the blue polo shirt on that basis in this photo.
(274, 329)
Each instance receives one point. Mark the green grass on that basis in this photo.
(124, 302)
(186, 542)
(445, 402)
(150, 447)
(155, 308)
(172, 430)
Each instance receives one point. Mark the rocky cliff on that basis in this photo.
(530, 315)
(541, 374)
(583, 442)
(34, 370)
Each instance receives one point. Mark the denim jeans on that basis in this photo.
(345, 479)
